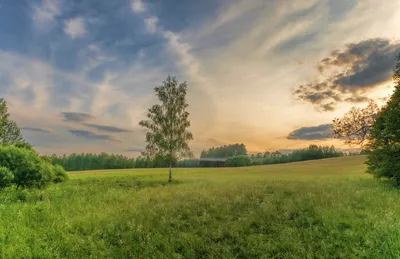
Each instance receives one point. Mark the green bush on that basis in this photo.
(238, 161)
(6, 177)
(59, 174)
(28, 169)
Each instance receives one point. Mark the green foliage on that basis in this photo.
(10, 134)
(238, 161)
(28, 169)
(59, 174)
(396, 76)
(384, 147)
(168, 136)
(82, 162)
(6, 177)
(313, 152)
(25, 145)
(224, 151)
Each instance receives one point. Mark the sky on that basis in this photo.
(78, 75)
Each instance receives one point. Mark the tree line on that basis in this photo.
(225, 151)
(313, 152)
(88, 161)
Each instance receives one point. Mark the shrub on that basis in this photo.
(59, 174)
(28, 169)
(46, 172)
(6, 177)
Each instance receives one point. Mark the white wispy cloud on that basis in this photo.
(75, 28)
(46, 10)
(151, 24)
(138, 6)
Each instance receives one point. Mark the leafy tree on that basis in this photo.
(225, 151)
(80, 162)
(355, 126)
(9, 132)
(28, 168)
(383, 151)
(168, 124)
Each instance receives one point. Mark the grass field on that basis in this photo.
(316, 209)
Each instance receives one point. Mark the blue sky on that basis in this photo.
(79, 75)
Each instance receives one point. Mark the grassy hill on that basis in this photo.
(321, 209)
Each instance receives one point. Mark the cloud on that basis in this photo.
(151, 24)
(93, 136)
(76, 116)
(41, 130)
(46, 11)
(320, 132)
(138, 6)
(75, 28)
(134, 150)
(354, 71)
(107, 128)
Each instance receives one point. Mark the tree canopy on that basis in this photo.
(168, 124)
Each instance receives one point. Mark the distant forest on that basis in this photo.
(234, 155)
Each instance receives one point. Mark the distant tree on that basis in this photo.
(383, 150)
(238, 161)
(355, 126)
(225, 151)
(168, 124)
(81, 162)
(10, 134)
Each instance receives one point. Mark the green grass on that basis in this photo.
(316, 209)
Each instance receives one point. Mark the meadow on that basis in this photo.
(316, 209)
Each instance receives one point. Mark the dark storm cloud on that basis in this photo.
(76, 116)
(41, 130)
(312, 133)
(87, 134)
(362, 67)
(107, 128)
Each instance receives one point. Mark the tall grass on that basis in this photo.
(316, 209)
